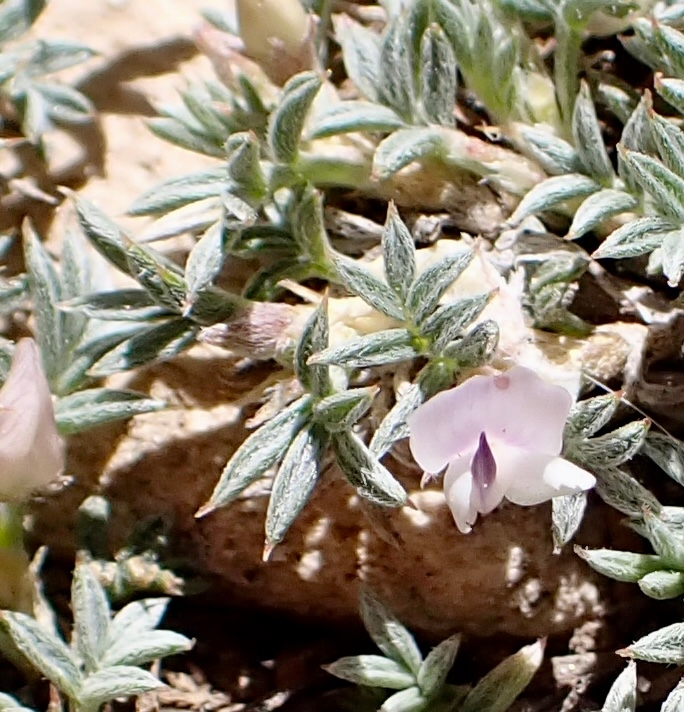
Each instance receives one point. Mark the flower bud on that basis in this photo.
(31, 451)
(278, 34)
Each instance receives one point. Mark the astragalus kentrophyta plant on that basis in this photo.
(30, 98)
(412, 683)
(393, 122)
(103, 661)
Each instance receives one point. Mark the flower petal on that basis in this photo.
(463, 496)
(530, 478)
(458, 492)
(31, 451)
(516, 407)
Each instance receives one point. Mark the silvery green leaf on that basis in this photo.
(341, 410)
(475, 348)
(622, 492)
(615, 447)
(176, 192)
(551, 192)
(96, 343)
(54, 55)
(96, 406)
(46, 293)
(121, 305)
(112, 682)
(556, 156)
(91, 616)
(373, 671)
(596, 208)
(180, 134)
(382, 347)
(145, 647)
(165, 286)
(399, 254)
(388, 633)
(623, 692)
(636, 136)
(364, 284)
(665, 187)
(76, 280)
(361, 55)
(436, 666)
(586, 131)
(430, 285)
(258, 452)
(14, 294)
(354, 116)
(667, 453)
(566, 516)
(670, 142)
(671, 43)
(453, 19)
(448, 321)
(35, 120)
(204, 261)
(308, 226)
(675, 700)
(498, 689)
(663, 585)
(405, 146)
(672, 256)
(672, 90)
(437, 76)
(588, 416)
(393, 426)
(287, 121)
(667, 540)
(136, 619)
(293, 483)
(409, 700)
(396, 72)
(156, 343)
(17, 16)
(620, 565)
(617, 97)
(313, 339)
(65, 104)
(370, 479)
(256, 239)
(212, 306)
(243, 166)
(662, 646)
(637, 237)
(7, 702)
(47, 653)
(105, 236)
(192, 217)
(198, 102)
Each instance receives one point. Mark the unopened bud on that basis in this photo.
(31, 451)
(278, 34)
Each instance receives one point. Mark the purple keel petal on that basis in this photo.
(483, 470)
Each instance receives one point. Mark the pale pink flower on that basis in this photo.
(499, 437)
(31, 451)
